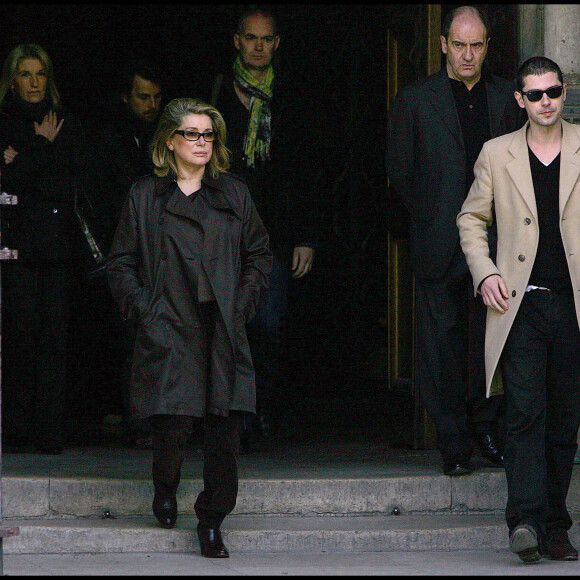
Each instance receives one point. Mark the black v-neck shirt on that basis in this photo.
(550, 267)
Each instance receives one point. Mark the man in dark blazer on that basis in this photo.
(436, 129)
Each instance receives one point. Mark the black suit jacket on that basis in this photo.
(426, 161)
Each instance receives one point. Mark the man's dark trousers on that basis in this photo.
(540, 367)
(266, 334)
(443, 363)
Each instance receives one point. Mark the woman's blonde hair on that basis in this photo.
(171, 118)
(10, 68)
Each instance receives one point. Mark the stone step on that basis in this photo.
(332, 479)
(480, 493)
(289, 534)
(68, 497)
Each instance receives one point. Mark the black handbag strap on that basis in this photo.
(94, 246)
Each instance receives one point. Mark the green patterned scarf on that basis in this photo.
(257, 141)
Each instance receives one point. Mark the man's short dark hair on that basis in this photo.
(450, 17)
(256, 11)
(146, 69)
(536, 65)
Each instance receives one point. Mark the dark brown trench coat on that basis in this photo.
(160, 244)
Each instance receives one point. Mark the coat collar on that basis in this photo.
(442, 100)
(497, 100)
(519, 168)
(520, 172)
(213, 193)
(570, 162)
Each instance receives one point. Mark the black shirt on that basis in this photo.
(194, 241)
(474, 120)
(550, 267)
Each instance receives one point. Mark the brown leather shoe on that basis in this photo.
(524, 543)
(211, 544)
(558, 546)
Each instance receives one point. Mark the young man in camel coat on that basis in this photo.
(528, 182)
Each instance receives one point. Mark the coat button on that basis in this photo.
(161, 220)
(54, 210)
(513, 293)
(163, 255)
(527, 221)
(521, 258)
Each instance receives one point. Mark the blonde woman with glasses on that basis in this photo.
(189, 260)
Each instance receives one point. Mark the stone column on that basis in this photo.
(553, 30)
(562, 45)
(531, 31)
(562, 36)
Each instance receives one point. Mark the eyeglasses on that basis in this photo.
(194, 135)
(536, 94)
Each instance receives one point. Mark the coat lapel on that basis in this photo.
(212, 192)
(496, 102)
(214, 195)
(569, 164)
(441, 98)
(519, 168)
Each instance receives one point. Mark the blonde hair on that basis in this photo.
(13, 61)
(171, 118)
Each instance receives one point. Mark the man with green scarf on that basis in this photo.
(265, 120)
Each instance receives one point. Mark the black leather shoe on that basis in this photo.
(558, 547)
(524, 543)
(48, 449)
(165, 509)
(245, 444)
(262, 424)
(211, 544)
(489, 449)
(455, 468)
(10, 446)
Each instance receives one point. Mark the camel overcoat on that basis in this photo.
(503, 190)
(162, 242)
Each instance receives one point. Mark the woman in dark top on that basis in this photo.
(42, 163)
(188, 262)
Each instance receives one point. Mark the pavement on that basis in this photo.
(461, 563)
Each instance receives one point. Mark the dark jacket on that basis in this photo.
(283, 186)
(426, 161)
(45, 176)
(160, 244)
(120, 161)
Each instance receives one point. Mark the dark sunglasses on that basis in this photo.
(536, 94)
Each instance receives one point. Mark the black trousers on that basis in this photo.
(449, 359)
(220, 467)
(540, 366)
(101, 356)
(36, 300)
(221, 447)
(266, 335)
